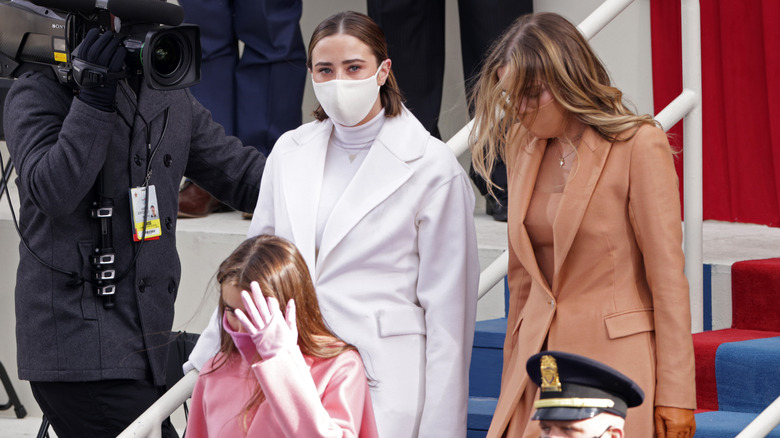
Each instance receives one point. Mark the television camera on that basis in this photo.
(41, 34)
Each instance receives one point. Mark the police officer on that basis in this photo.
(580, 397)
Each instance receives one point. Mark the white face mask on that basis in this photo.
(347, 101)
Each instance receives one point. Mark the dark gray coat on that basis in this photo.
(59, 145)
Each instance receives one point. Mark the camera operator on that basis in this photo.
(85, 161)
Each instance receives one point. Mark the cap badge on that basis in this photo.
(549, 369)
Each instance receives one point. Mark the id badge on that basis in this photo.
(140, 208)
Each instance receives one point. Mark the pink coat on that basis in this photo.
(305, 397)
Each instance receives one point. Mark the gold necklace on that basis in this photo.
(573, 144)
(562, 158)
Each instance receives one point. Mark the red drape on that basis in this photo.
(741, 102)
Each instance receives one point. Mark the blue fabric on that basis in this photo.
(720, 424)
(748, 374)
(481, 411)
(258, 96)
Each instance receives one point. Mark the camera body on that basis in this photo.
(34, 37)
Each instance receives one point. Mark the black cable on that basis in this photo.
(150, 153)
(76, 279)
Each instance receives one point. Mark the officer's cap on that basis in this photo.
(573, 387)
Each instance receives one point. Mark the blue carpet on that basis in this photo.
(481, 411)
(748, 374)
(720, 424)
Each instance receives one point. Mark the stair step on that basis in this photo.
(724, 424)
(490, 333)
(755, 294)
(748, 374)
(481, 411)
(487, 358)
(705, 346)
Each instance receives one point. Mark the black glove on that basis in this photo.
(97, 66)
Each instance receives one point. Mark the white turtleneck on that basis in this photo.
(347, 148)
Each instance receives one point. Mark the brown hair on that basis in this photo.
(546, 48)
(277, 265)
(362, 27)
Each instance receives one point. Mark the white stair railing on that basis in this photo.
(764, 423)
(148, 424)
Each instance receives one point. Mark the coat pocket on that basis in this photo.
(629, 323)
(404, 321)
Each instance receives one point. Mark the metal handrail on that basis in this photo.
(148, 424)
(764, 423)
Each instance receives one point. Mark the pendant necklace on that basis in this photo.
(353, 153)
(562, 158)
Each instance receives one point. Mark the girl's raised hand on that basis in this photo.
(270, 331)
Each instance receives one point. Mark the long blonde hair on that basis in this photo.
(277, 265)
(543, 48)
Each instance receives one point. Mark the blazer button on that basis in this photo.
(168, 222)
(137, 160)
(142, 286)
(167, 160)
(171, 287)
(552, 304)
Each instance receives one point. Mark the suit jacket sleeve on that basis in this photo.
(298, 407)
(447, 290)
(58, 143)
(654, 209)
(221, 164)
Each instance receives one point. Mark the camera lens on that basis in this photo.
(171, 57)
(167, 55)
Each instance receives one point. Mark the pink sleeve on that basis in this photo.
(292, 393)
(196, 420)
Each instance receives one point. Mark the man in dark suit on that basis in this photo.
(256, 95)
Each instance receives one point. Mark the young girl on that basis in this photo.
(277, 375)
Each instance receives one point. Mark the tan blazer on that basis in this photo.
(618, 293)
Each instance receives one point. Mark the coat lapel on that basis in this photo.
(523, 180)
(577, 193)
(302, 173)
(384, 170)
(149, 107)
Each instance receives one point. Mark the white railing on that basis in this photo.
(148, 424)
(764, 423)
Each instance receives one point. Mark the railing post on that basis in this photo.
(692, 161)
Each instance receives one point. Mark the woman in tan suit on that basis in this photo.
(595, 265)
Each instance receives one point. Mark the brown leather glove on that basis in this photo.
(674, 422)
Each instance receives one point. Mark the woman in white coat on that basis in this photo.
(382, 212)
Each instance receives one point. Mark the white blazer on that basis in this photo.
(397, 271)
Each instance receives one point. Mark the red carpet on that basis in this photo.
(755, 294)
